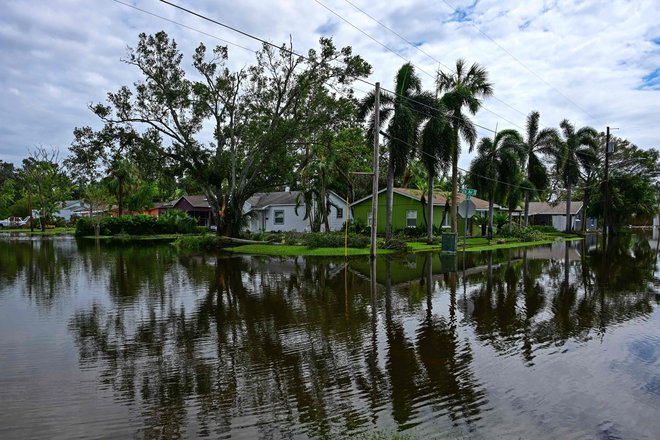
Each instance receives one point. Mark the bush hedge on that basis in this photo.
(169, 223)
(334, 240)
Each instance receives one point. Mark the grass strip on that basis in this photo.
(296, 251)
(52, 231)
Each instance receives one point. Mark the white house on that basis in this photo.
(541, 213)
(285, 211)
(69, 208)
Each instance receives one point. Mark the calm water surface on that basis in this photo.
(103, 341)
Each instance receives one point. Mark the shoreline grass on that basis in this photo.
(278, 250)
(47, 232)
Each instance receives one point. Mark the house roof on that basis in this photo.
(263, 200)
(195, 201)
(439, 197)
(543, 208)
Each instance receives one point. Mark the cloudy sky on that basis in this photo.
(596, 63)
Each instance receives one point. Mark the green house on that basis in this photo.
(408, 211)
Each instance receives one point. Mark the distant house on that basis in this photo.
(541, 213)
(409, 212)
(71, 208)
(196, 206)
(285, 211)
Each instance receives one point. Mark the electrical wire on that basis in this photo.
(183, 25)
(304, 57)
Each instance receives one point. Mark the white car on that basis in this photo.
(14, 222)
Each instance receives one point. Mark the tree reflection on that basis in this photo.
(540, 302)
(43, 268)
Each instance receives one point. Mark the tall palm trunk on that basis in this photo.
(389, 200)
(510, 220)
(526, 208)
(490, 217)
(429, 222)
(569, 192)
(587, 200)
(454, 187)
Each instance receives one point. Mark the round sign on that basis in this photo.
(467, 208)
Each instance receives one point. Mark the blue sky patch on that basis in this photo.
(651, 81)
(327, 28)
(656, 40)
(463, 14)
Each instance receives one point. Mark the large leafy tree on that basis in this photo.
(254, 114)
(402, 114)
(537, 143)
(496, 168)
(575, 150)
(634, 184)
(463, 89)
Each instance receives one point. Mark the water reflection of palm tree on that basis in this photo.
(449, 382)
(401, 362)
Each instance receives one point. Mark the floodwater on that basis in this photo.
(109, 341)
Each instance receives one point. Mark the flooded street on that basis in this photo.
(123, 341)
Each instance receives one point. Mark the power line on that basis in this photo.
(403, 58)
(292, 52)
(280, 48)
(183, 25)
(469, 172)
(522, 64)
(419, 49)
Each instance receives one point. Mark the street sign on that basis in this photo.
(467, 208)
(469, 192)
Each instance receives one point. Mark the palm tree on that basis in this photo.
(575, 150)
(494, 169)
(402, 114)
(464, 88)
(436, 152)
(536, 143)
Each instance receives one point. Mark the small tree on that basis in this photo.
(99, 200)
(46, 182)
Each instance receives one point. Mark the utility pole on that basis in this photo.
(374, 191)
(606, 211)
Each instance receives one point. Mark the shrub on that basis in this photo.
(395, 244)
(139, 225)
(205, 242)
(334, 240)
(419, 231)
(523, 234)
(543, 228)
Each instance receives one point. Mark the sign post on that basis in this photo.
(467, 209)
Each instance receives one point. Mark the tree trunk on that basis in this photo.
(429, 223)
(587, 199)
(120, 199)
(569, 192)
(526, 208)
(510, 219)
(454, 190)
(389, 200)
(490, 218)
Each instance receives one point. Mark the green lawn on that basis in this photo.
(291, 251)
(53, 231)
(134, 237)
(476, 244)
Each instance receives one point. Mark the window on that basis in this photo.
(340, 213)
(369, 219)
(279, 217)
(447, 223)
(411, 219)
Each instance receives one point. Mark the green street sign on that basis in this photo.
(469, 192)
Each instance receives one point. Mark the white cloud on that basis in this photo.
(59, 56)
